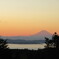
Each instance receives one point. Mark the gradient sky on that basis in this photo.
(27, 17)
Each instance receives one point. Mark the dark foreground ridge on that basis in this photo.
(51, 53)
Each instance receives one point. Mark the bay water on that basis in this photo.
(26, 46)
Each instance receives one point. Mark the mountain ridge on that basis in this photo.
(33, 39)
(36, 36)
(43, 32)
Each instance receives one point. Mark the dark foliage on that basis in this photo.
(50, 53)
(52, 43)
(3, 44)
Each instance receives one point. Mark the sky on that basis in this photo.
(27, 17)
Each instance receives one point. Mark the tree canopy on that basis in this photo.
(52, 43)
(3, 44)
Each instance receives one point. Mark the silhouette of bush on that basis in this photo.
(52, 43)
(3, 44)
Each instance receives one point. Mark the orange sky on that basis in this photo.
(27, 17)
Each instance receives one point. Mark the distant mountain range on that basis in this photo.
(33, 39)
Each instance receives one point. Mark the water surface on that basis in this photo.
(26, 46)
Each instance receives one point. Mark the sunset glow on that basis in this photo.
(27, 17)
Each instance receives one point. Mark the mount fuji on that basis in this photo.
(33, 39)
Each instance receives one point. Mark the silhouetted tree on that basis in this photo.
(54, 42)
(55, 39)
(3, 44)
(47, 42)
